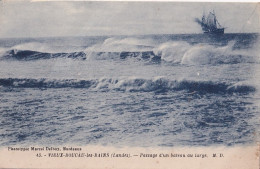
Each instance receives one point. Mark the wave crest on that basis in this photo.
(172, 51)
(179, 52)
(207, 54)
(158, 84)
(28, 55)
(200, 54)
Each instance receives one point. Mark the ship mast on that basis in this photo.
(215, 19)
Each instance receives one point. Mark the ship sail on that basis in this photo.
(211, 21)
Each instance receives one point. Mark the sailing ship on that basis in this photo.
(210, 24)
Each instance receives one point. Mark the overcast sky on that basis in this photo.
(44, 19)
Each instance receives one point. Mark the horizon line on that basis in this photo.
(70, 36)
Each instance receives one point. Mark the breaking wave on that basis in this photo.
(199, 54)
(179, 52)
(158, 84)
(28, 55)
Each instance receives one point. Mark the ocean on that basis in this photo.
(144, 91)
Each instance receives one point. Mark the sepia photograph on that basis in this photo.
(138, 76)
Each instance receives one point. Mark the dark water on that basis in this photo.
(156, 90)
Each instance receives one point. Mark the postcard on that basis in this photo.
(113, 84)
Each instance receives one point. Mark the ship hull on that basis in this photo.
(216, 31)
